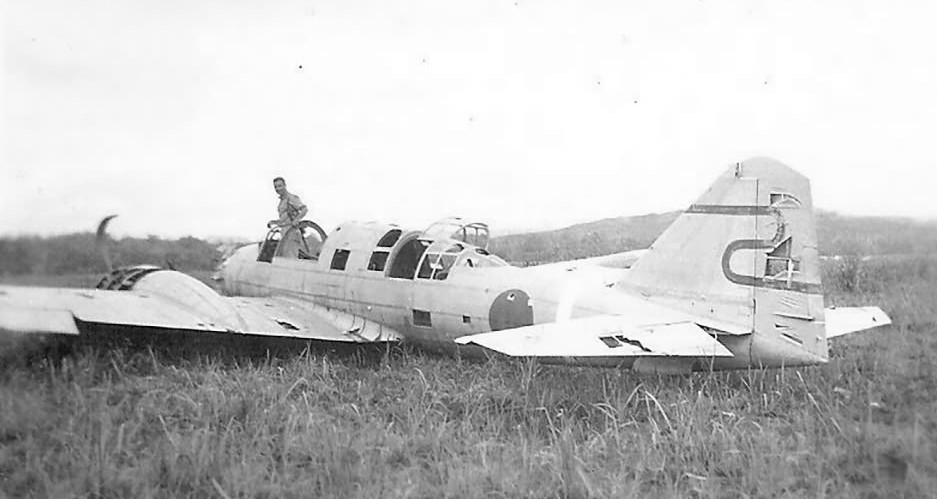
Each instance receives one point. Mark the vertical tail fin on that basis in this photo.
(745, 253)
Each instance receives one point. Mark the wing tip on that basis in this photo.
(21, 320)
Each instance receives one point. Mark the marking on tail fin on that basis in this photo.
(785, 200)
(721, 209)
(788, 284)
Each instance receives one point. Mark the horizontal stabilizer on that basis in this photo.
(845, 320)
(601, 336)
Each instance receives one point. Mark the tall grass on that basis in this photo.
(176, 423)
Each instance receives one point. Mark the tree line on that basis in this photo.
(77, 254)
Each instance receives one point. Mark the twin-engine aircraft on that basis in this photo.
(733, 282)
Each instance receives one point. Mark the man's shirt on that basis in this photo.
(289, 207)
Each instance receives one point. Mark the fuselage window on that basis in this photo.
(475, 235)
(339, 259)
(437, 265)
(429, 264)
(445, 265)
(406, 260)
(378, 260)
(269, 247)
(379, 257)
(446, 261)
(422, 318)
(389, 239)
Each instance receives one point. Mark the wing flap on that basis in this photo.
(601, 336)
(845, 320)
(294, 317)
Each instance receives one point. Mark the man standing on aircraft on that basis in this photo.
(291, 210)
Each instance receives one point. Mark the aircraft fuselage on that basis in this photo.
(472, 299)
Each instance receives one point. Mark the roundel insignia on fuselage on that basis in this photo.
(509, 310)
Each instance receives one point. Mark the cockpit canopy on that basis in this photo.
(441, 257)
(386, 248)
(473, 233)
(303, 242)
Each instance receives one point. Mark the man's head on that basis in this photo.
(279, 185)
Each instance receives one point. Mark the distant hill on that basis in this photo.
(837, 234)
(602, 237)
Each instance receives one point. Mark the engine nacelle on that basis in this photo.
(183, 289)
(124, 278)
(192, 293)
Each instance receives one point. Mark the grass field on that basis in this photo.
(128, 422)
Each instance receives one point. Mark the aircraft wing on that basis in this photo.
(601, 336)
(606, 270)
(845, 320)
(25, 310)
(623, 260)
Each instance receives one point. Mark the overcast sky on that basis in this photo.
(177, 114)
